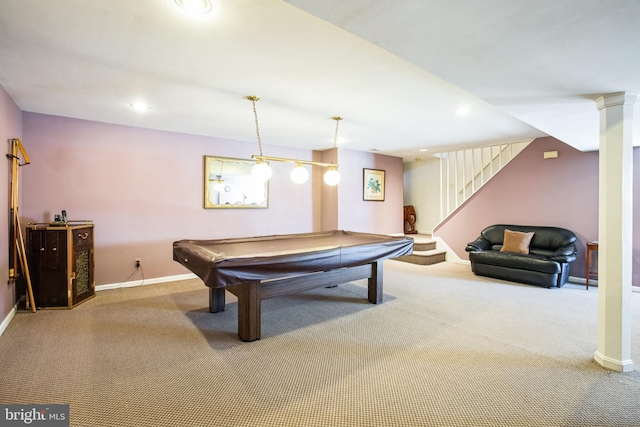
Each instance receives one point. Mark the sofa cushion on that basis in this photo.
(516, 241)
(548, 253)
(518, 261)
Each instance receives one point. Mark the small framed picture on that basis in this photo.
(373, 184)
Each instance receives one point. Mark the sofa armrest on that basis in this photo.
(480, 244)
(567, 253)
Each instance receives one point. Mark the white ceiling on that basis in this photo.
(396, 70)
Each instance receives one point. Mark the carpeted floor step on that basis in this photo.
(424, 246)
(424, 257)
(424, 251)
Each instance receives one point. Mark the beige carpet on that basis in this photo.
(445, 348)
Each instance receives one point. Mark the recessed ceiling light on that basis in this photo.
(139, 106)
(195, 6)
(424, 149)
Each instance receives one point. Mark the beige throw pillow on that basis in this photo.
(515, 241)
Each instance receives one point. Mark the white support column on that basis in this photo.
(615, 231)
(441, 184)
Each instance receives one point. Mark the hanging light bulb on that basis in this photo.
(299, 174)
(332, 176)
(261, 171)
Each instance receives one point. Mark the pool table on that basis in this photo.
(256, 268)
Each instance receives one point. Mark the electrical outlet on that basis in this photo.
(138, 262)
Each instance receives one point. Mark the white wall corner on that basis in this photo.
(450, 254)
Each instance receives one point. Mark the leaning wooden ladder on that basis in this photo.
(16, 240)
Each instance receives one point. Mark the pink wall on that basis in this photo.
(356, 214)
(10, 127)
(529, 190)
(143, 190)
(560, 192)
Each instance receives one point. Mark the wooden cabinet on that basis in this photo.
(61, 264)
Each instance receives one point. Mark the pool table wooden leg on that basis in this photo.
(375, 283)
(216, 300)
(249, 311)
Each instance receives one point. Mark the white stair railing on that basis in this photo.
(465, 171)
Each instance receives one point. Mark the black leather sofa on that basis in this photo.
(551, 251)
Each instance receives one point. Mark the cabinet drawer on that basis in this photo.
(82, 238)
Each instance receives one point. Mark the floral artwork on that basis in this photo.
(373, 183)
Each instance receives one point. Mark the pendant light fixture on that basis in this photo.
(262, 171)
(332, 176)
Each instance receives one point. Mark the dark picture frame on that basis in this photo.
(373, 185)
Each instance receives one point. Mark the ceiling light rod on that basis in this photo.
(282, 159)
(262, 172)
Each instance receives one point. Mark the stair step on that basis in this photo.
(424, 246)
(423, 242)
(427, 257)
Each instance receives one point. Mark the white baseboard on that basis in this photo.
(153, 281)
(613, 364)
(7, 320)
(594, 283)
(582, 281)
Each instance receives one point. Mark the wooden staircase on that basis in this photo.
(424, 251)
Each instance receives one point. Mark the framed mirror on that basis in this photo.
(228, 184)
